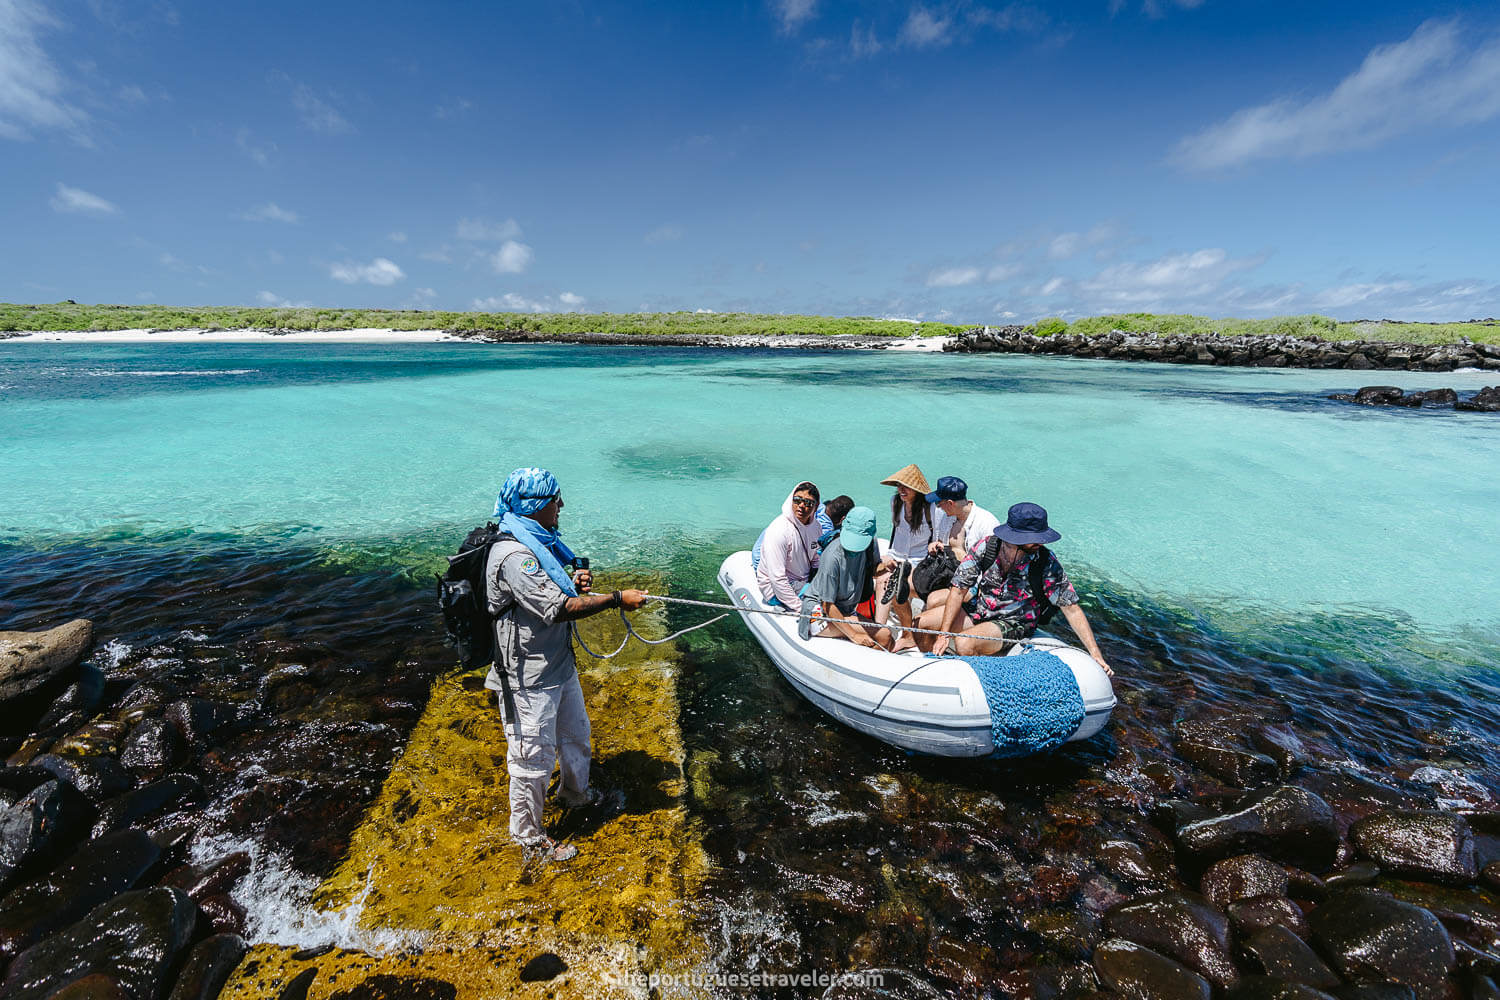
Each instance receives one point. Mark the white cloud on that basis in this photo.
(69, 199)
(792, 14)
(260, 152)
(1157, 8)
(1052, 287)
(862, 41)
(484, 231)
(1431, 80)
(953, 277)
(440, 254)
(1064, 246)
(276, 301)
(270, 212)
(451, 108)
(396, 237)
(1166, 280)
(131, 94)
(378, 272)
(664, 234)
(1349, 295)
(31, 88)
(511, 258)
(317, 114)
(1002, 272)
(512, 302)
(924, 29)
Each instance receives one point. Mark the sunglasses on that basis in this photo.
(804, 502)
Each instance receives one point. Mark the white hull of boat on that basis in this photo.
(926, 704)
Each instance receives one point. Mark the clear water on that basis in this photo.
(1239, 494)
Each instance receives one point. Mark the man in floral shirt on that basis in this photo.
(998, 602)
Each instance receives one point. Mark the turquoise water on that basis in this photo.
(1240, 495)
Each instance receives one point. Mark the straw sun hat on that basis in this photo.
(911, 477)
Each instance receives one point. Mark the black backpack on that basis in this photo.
(461, 598)
(1036, 575)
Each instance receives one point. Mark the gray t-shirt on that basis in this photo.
(840, 580)
(531, 644)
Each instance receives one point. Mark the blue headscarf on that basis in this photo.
(525, 492)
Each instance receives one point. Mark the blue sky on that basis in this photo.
(976, 162)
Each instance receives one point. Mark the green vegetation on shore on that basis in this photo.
(1305, 327)
(72, 316)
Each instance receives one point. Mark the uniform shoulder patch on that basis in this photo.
(530, 565)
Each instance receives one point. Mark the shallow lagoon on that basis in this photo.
(1245, 548)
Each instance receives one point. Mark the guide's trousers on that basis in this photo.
(551, 726)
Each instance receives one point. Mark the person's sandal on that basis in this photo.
(548, 850)
(897, 590)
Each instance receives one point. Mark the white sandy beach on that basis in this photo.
(366, 336)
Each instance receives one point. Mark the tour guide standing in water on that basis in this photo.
(533, 601)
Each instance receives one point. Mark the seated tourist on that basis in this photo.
(1018, 582)
(840, 601)
(913, 529)
(964, 524)
(789, 552)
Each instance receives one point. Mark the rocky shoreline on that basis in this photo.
(1263, 873)
(1255, 352)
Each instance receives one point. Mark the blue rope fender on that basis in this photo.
(1035, 704)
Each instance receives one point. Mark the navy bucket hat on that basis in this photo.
(1025, 524)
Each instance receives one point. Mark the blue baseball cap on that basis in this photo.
(949, 488)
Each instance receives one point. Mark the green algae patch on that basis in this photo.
(432, 863)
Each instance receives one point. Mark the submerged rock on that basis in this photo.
(298, 987)
(1138, 973)
(1179, 925)
(39, 826)
(1437, 847)
(97, 777)
(208, 967)
(543, 967)
(1221, 750)
(134, 938)
(1242, 877)
(153, 747)
(97, 871)
(1287, 823)
(1273, 988)
(212, 880)
(1259, 912)
(1276, 951)
(77, 702)
(130, 808)
(1370, 936)
(1486, 400)
(388, 987)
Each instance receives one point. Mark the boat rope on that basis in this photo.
(1040, 642)
(630, 631)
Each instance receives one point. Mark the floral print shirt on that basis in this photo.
(1006, 595)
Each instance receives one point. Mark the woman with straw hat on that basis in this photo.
(913, 528)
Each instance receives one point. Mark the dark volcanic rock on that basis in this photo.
(95, 776)
(40, 826)
(208, 967)
(1242, 877)
(23, 780)
(1490, 876)
(1180, 925)
(1171, 815)
(1287, 823)
(34, 666)
(543, 967)
(1375, 991)
(153, 748)
(1128, 862)
(1359, 873)
(297, 988)
(1281, 745)
(1371, 937)
(75, 704)
(223, 913)
(134, 938)
(219, 877)
(1221, 751)
(388, 987)
(1437, 847)
(95, 987)
(1486, 400)
(130, 808)
(1260, 912)
(1138, 973)
(1273, 988)
(198, 718)
(1276, 951)
(97, 871)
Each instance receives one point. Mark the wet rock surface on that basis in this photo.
(1437, 847)
(134, 939)
(31, 663)
(1181, 926)
(1138, 973)
(1369, 936)
(208, 967)
(1242, 877)
(1288, 823)
(40, 826)
(1279, 953)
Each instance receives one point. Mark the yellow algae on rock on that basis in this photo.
(432, 858)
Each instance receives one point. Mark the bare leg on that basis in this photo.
(984, 639)
(932, 618)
